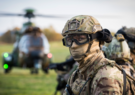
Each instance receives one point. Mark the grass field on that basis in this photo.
(20, 82)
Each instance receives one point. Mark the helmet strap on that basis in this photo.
(90, 44)
(87, 52)
(88, 49)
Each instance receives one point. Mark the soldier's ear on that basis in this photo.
(105, 35)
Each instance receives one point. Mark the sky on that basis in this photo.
(111, 14)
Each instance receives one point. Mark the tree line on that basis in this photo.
(10, 35)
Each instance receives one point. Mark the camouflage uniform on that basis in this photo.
(119, 51)
(133, 59)
(129, 34)
(67, 75)
(131, 31)
(95, 74)
(104, 79)
(64, 71)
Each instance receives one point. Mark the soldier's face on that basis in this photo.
(77, 51)
(36, 34)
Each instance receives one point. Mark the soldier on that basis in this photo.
(38, 33)
(23, 47)
(129, 34)
(39, 43)
(64, 70)
(95, 74)
(119, 51)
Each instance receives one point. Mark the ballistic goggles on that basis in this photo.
(79, 39)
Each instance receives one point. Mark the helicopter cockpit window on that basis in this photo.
(30, 42)
(36, 42)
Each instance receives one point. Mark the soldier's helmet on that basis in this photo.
(84, 24)
(118, 49)
(129, 31)
(28, 30)
(129, 34)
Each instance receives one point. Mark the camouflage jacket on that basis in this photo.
(127, 66)
(133, 59)
(103, 77)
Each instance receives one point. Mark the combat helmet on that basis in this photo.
(118, 49)
(129, 31)
(129, 34)
(84, 24)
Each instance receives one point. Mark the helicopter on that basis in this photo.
(35, 59)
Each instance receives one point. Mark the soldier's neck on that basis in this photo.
(94, 50)
(94, 53)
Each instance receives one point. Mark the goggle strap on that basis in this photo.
(93, 36)
(89, 47)
(63, 42)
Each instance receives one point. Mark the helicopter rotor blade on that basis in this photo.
(67, 16)
(30, 14)
(48, 16)
(10, 14)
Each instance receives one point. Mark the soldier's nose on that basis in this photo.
(74, 45)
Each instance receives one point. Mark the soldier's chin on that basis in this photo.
(77, 57)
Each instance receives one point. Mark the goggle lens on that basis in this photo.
(79, 39)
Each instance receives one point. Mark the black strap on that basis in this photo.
(88, 49)
(94, 36)
(68, 90)
(75, 74)
(84, 85)
(124, 86)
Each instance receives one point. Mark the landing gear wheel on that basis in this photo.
(31, 72)
(7, 70)
(45, 70)
(34, 71)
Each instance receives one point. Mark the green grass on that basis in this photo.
(20, 82)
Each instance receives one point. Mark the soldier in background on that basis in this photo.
(23, 45)
(95, 74)
(119, 51)
(39, 43)
(129, 34)
(64, 71)
(45, 44)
